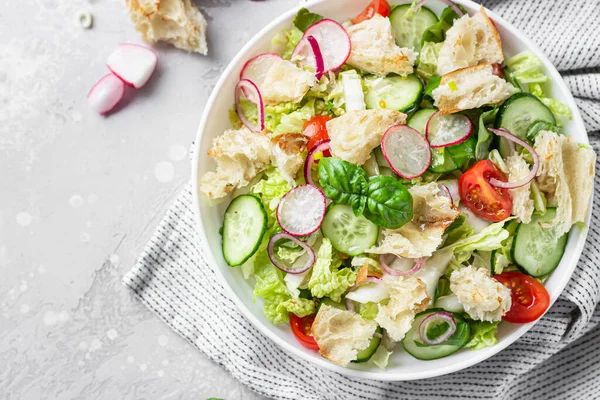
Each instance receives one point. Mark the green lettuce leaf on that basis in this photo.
(327, 279)
(294, 121)
(436, 33)
(285, 42)
(527, 68)
(488, 239)
(484, 137)
(369, 310)
(271, 288)
(381, 357)
(428, 59)
(270, 191)
(483, 334)
(301, 307)
(305, 18)
(274, 114)
(460, 229)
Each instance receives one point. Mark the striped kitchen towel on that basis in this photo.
(558, 359)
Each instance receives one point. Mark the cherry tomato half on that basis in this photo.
(530, 299)
(316, 129)
(380, 7)
(301, 329)
(483, 199)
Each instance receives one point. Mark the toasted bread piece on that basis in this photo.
(522, 203)
(341, 334)
(374, 49)
(471, 41)
(433, 213)
(469, 88)
(355, 134)
(285, 82)
(240, 156)
(173, 21)
(408, 296)
(566, 176)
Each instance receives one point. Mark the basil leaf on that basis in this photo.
(343, 182)
(389, 203)
(436, 33)
(304, 19)
(484, 137)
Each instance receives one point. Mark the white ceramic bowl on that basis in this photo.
(209, 216)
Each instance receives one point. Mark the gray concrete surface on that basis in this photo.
(81, 194)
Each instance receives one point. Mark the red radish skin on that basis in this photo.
(133, 64)
(322, 146)
(334, 43)
(400, 157)
(106, 93)
(244, 86)
(320, 66)
(438, 135)
(301, 211)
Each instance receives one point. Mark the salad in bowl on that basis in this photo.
(396, 182)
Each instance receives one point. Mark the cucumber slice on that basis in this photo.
(244, 225)
(415, 347)
(394, 92)
(348, 233)
(365, 355)
(520, 112)
(418, 120)
(409, 31)
(536, 250)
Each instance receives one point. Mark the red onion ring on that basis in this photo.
(320, 64)
(447, 191)
(350, 303)
(536, 161)
(247, 86)
(449, 3)
(322, 146)
(271, 252)
(436, 317)
(418, 265)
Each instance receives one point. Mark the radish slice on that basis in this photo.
(406, 150)
(536, 161)
(306, 261)
(447, 130)
(449, 3)
(256, 69)
(106, 93)
(334, 45)
(133, 63)
(301, 211)
(322, 148)
(401, 266)
(247, 86)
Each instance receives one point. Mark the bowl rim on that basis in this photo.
(478, 356)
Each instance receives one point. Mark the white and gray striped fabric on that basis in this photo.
(558, 359)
